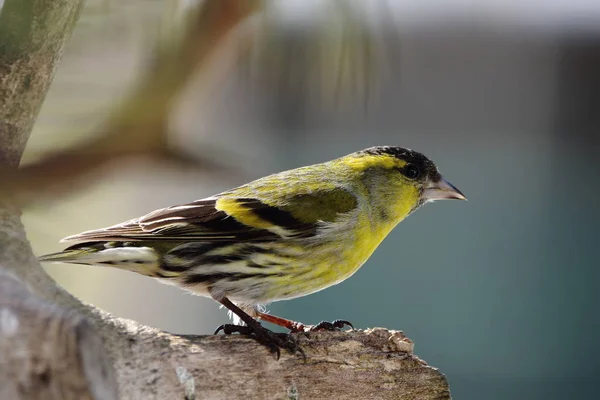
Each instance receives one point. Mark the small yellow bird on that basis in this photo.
(279, 237)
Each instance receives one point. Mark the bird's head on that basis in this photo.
(399, 180)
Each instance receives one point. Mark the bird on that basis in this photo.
(280, 237)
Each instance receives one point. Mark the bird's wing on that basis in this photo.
(230, 218)
(199, 220)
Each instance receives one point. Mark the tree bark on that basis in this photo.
(54, 347)
(47, 352)
(371, 364)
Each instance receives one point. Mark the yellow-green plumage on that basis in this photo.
(279, 237)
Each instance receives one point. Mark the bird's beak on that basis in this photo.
(442, 190)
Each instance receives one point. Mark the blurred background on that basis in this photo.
(500, 293)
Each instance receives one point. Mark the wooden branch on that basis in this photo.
(375, 363)
(356, 365)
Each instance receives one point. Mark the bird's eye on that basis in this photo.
(412, 171)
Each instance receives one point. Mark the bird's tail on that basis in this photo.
(143, 260)
(68, 256)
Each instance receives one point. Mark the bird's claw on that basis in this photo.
(331, 326)
(323, 326)
(272, 340)
(228, 329)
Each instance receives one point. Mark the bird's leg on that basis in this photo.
(274, 341)
(294, 326)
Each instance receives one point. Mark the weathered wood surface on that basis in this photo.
(371, 364)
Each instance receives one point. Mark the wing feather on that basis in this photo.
(197, 221)
(228, 217)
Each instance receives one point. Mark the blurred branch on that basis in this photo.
(139, 125)
(328, 59)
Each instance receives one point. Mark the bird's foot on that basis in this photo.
(322, 326)
(272, 340)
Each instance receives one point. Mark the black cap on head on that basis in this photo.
(412, 157)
